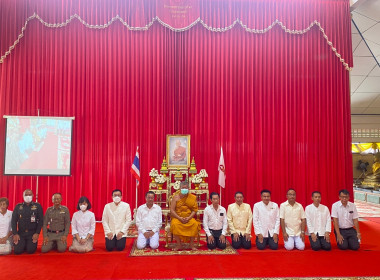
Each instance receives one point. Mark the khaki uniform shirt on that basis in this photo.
(292, 216)
(57, 219)
(239, 218)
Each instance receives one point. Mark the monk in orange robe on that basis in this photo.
(179, 152)
(182, 210)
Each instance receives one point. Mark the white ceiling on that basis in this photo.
(365, 76)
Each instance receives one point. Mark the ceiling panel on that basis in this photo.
(363, 22)
(363, 66)
(370, 84)
(370, 8)
(363, 99)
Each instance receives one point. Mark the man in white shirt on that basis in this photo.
(148, 222)
(293, 222)
(239, 217)
(266, 222)
(318, 222)
(345, 217)
(215, 223)
(5, 227)
(116, 220)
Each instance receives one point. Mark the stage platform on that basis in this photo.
(252, 263)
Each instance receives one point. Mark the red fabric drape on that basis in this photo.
(277, 103)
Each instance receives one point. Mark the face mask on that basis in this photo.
(184, 191)
(117, 199)
(83, 207)
(28, 198)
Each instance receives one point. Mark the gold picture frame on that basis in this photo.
(178, 150)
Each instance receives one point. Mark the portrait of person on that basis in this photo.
(178, 150)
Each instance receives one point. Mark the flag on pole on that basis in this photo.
(221, 168)
(135, 169)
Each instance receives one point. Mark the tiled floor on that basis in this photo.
(367, 209)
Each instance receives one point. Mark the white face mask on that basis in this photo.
(28, 198)
(117, 199)
(83, 207)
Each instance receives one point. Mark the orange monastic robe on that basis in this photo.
(183, 208)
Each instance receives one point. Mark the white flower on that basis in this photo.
(203, 173)
(153, 173)
(176, 185)
(160, 179)
(196, 179)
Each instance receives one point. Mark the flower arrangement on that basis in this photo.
(203, 173)
(177, 185)
(196, 179)
(153, 173)
(160, 179)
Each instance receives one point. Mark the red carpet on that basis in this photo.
(101, 264)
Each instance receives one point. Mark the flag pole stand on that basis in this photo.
(135, 210)
(137, 183)
(220, 191)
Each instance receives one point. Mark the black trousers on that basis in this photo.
(217, 244)
(114, 243)
(267, 241)
(350, 239)
(320, 243)
(25, 244)
(241, 243)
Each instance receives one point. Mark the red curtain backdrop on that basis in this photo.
(278, 103)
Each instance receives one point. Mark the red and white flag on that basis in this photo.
(135, 169)
(221, 168)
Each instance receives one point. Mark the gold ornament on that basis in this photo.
(178, 175)
(193, 168)
(164, 167)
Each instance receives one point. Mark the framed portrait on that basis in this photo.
(178, 150)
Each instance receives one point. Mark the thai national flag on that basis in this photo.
(135, 169)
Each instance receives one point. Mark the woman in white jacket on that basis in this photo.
(83, 227)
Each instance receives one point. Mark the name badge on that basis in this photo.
(221, 214)
(32, 219)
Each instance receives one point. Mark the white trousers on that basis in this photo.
(294, 241)
(6, 248)
(153, 242)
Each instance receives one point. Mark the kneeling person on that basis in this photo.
(148, 222)
(57, 217)
(83, 227)
(318, 222)
(27, 220)
(183, 208)
(116, 221)
(293, 222)
(346, 217)
(239, 217)
(215, 223)
(5, 227)
(266, 221)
